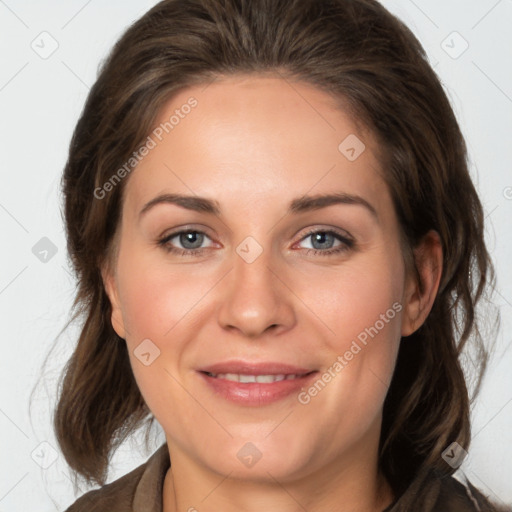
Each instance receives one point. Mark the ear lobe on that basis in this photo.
(422, 285)
(111, 290)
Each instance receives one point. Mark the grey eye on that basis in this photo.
(191, 239)
(322, 240)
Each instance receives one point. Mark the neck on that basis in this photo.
(347, 483)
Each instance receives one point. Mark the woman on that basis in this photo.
(279, 252)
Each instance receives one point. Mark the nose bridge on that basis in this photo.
(255, 298)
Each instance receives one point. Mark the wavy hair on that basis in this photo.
(367, 58)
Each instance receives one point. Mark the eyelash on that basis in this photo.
(346, 243)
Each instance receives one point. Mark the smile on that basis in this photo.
(262, 379)
(255, 390)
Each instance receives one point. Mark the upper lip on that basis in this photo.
(252, 368)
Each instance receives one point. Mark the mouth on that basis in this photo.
(255, 384)
(261, 379)
(256, 369)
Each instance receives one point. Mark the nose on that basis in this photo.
(256, 298)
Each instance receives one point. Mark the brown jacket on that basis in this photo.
(141, 491)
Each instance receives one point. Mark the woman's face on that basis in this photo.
(271, 279)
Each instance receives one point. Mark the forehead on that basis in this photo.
(249, 137)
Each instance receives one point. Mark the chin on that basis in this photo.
(261, 458)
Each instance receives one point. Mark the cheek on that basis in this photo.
(155, 297)
(157, 302)
(361, 306)
(357, 298)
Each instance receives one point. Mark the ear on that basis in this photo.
(111, 288)
(422, 282)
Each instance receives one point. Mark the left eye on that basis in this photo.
(324, 240)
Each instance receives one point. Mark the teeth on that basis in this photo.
(269, 378)
(265, 379)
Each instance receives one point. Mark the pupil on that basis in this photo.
(322, 238)
(191, 240)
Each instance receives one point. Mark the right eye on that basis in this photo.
(190, 241)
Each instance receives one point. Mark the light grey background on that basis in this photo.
(41, 97)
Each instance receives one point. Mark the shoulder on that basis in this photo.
(122, 494)
(117, 495)
(455, 495)
(432, 492)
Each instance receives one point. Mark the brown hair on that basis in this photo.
(356, 51)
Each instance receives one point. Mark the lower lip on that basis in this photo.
(256, 393)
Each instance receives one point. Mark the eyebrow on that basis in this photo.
(299, 205)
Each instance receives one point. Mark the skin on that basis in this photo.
(254, 144)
